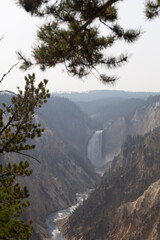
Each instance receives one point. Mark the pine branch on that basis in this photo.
(98, 13)
(8, 124)
(152, 9)
(108, 79)
(113, 62)
(26, 155)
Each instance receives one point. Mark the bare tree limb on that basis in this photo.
(4, 75)
(7, 91)
(1, 37)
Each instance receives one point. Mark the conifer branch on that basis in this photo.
(72, 38)
(26, 155)
(98, 13)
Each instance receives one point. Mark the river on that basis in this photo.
(51, 220)
(95, 156)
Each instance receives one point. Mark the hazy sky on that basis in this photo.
(142, 73)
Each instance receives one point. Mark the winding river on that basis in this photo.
(51, 220)
(95, 156)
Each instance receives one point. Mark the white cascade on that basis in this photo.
(53, 218)
(95, 149)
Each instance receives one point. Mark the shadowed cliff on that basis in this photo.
(126, 204)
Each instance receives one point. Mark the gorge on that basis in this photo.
(129, 190)
(126, 203)
(74, 145)
(54, 218)
(95, 157)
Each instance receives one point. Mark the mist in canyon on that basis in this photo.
(81, 151)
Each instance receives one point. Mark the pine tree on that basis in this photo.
(152, 9)
(73, 35)
(17, 127)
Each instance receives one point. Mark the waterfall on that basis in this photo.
(95, 149)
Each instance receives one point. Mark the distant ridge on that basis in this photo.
(103, 94)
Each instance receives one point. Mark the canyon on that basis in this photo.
(119, 135)
(126, 203)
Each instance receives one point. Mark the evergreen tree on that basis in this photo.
(73, 35)
(152, 9)
(17, 127)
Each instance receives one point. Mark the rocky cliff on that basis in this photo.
(144, 119)
(61, 173)
(112, 139)
(126, 204)
(64, 168)
(72, 125)
(139, 219)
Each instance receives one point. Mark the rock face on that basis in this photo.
(54, 182)
(112, 139)
(144, 119)
(126, 204)
(143, 215)
(61, 173)
(71, 125)
(64, 168)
